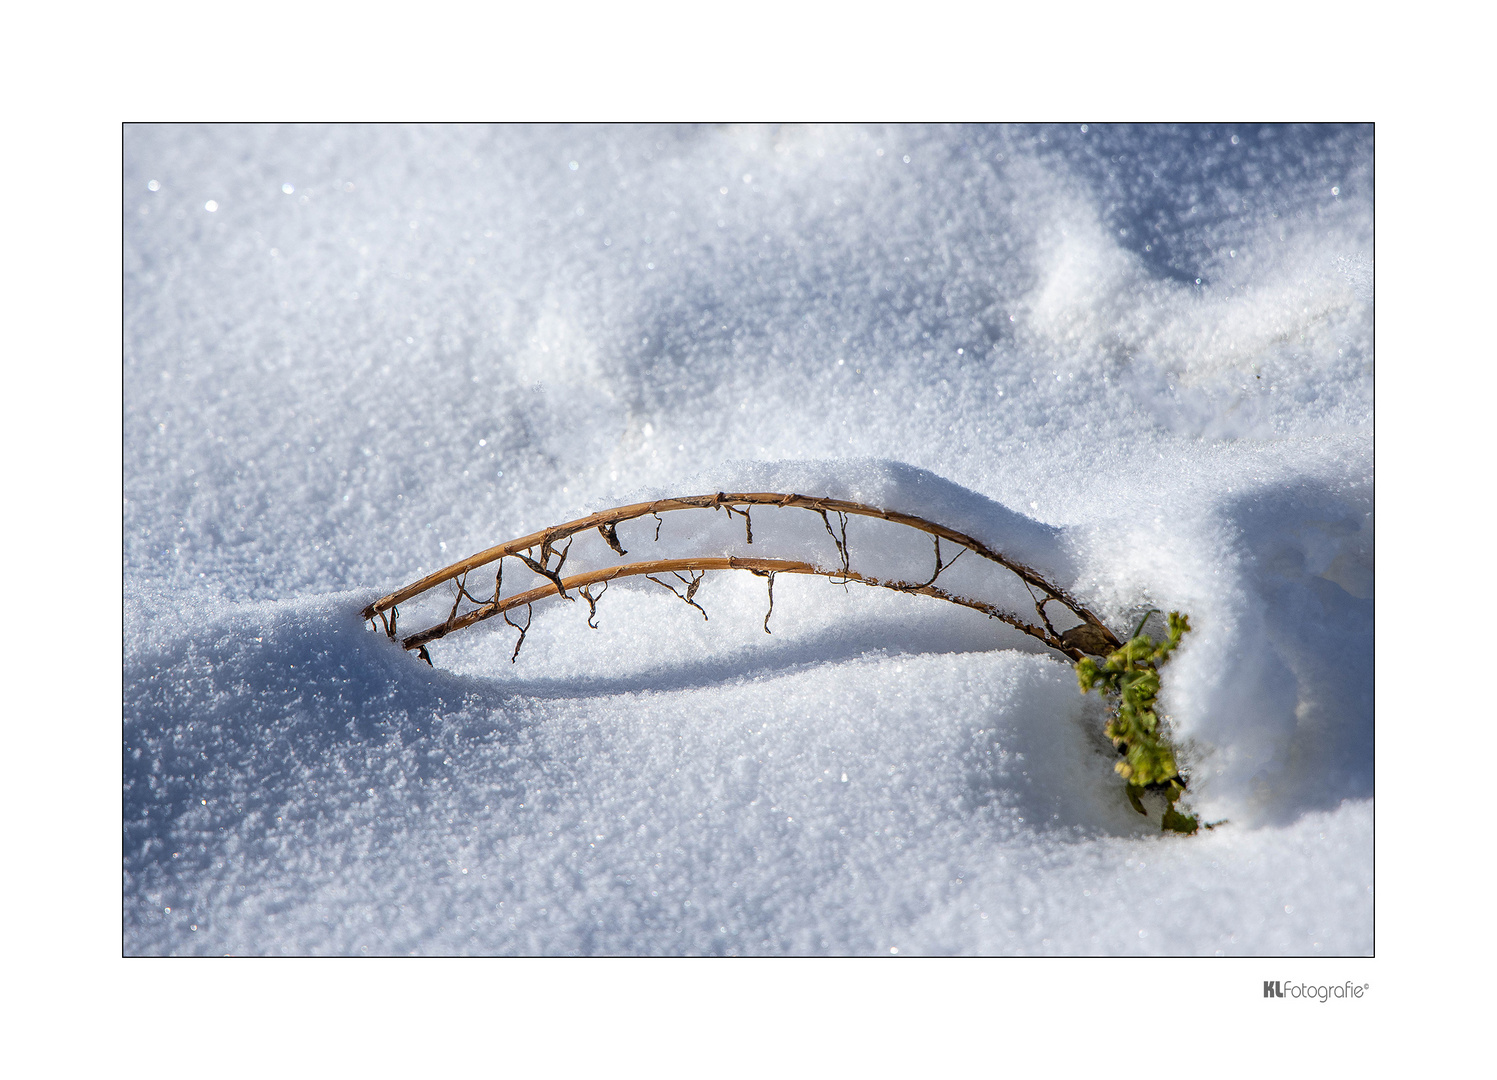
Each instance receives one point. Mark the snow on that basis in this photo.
(1138, 359)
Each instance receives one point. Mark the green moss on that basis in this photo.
(1130, 678)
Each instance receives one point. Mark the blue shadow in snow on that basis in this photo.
(1311, 565)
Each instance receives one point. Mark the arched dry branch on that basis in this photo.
(1089, 637)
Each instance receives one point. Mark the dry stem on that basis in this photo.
(1097, 638)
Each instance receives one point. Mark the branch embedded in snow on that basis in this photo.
(1089, 637)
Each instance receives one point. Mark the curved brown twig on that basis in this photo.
(1091, 636)
(756, 566)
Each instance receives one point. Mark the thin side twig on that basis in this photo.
(529, 610)
(691, 584)
(544, 567)
(748, 522)
(940, 566)
(592, 602)
(611, 535)
(769, 576)
(842, 551)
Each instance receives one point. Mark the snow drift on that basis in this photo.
(1137, 358)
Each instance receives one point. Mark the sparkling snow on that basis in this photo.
(1140, 359)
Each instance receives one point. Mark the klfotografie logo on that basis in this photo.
(1307, 992)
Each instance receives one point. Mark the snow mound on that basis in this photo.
(1136, 358)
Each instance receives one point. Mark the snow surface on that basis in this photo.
(1140, 359)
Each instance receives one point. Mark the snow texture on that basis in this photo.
(1138, 359)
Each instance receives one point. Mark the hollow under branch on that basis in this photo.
(1097, 637)
(699, 566)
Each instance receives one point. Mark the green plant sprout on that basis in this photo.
(1131, 676)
